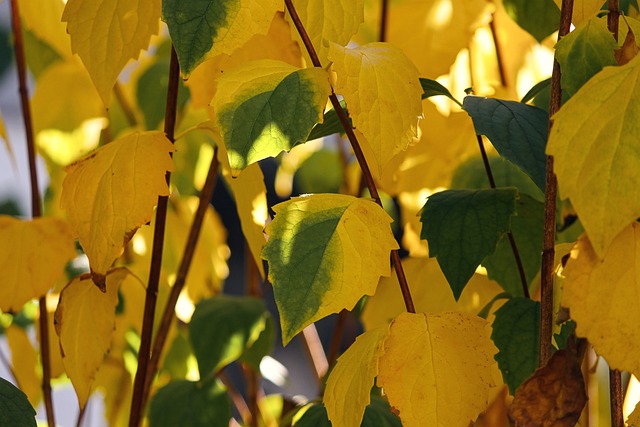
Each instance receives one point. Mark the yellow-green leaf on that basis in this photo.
(438, 369)
(583, 9)
(382, 89)
(106, 34)
(596, 150)
(111, 192)
(43, 19)
(602, 297)
(85, 320)
(264, 107)
(348, 389)
(325, 252)
(33, 255)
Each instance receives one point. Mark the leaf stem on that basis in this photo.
(236, 397)
(137, 401)
(512, 240)
(336, 339)
(551, 191)
(357, 150)
(36, 209)
(617, 399)
(384, 21)
(315, 351)
(614, 17)
(496, 44)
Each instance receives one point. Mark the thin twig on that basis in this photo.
(616, 397)
(496, 44)
(357, 150)
(251, 376)
(336, 339)
(151, 297)
(551, 191)
(124, 104)
(236, 397)
(614, 17)
(384, 21)
(36, 209)
(253, 384)
(315, 351)
(81, 415)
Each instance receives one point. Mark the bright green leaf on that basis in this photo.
(321, 172)
(433, 88)
(462, 227)
(325, 252)
(536, 90)
(264, 107)
(15, 409)
(518, 131)
(539, 18)
(515, 333)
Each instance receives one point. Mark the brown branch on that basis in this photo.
(551, 191)
(616, 397)
(384, 21)
(357, 150)
(614, 17)
(137, 401)
(336, 340)
(36, 209)
(499, 60)
(236, 397)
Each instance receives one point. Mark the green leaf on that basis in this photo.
(539, 18)
(264, 107)
(330, 124)
(515, 333)
(187, 403)
(262, 346)
(377, 414)
(518, 131)
(562, 337)
(484, 312)
(325, 252)
(15, 409)
(222, 328)
(314, 416)
(536, 90)
(433, 88)
(462, 227)
(584, 52)
(321, 172)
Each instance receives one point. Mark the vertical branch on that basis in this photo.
(36, 209)
(617, 399)
(550, 194)
(151, 297)
(496, 44)
(384, 21)
(614, 17)
(357, 150)
(315, 351)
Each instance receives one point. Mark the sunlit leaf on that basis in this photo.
(24, 361)
(325, 252)
(111, 192)
(584, 9)
(45, 242)
(44, 20)
(15, 409)
(106, 34)
(596, 152)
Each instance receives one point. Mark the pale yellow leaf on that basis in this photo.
(348, 389)
(43, 18)
(602, 297)
(582, 9)
(24, 361)
(382, 89)
(33, 255)
(438, 369)
(106, 34)
(85, 320)
(111, 192)
(596, 150)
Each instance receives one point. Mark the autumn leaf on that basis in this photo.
(24, 361)
(264, 107)
(381, 86)
(582, 9)
(111, 192)
(106, 34)
(325, 252)
(43, 242)
(596, 152)
(15, 409)
(629, 48)
(204, 29)
(44, 20)
(85, 320)
(462, 227)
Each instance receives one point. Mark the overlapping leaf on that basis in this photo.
(15, 409)
(106, 34)
(44, 20)
(539, 18)
(24, 361)
(208, 28)
(593, 141)
(382, 89)
(377, 414)
(111, 192)
(44, 242)
(582, 9)
(264, 107)
(462, 227)
(325, 252)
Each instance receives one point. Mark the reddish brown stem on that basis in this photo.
(336, 340)
(384, 21)
(616, 397)
(551, 190)
(357, 150)
(613, 18)
(137, 401)
(36, 209)
(236, 398)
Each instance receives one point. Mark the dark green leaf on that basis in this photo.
(262, 346)
(462, 227)
(565, 332)
(377, 414)
(536, 89)
(515, 333)
(484, 313)
(39, 54)
(176, 360)
(222, 328)
(193, 404)
(15, 409)
(329, 126)
(539, 18)
(433, 88)
(319, 173)
(518, 131)
(314, 416)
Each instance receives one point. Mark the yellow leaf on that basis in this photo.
(7, 143)
(43, 19)
(33, 255)
(329, 21)
(582, 9)
(24, 361)
(602, 297)
(430, 291)
(438, 369)
(348, 389)
(382, 89)
(106, 34)
(111, 192)
(85, 320)
(596, 151)
(115, 382)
